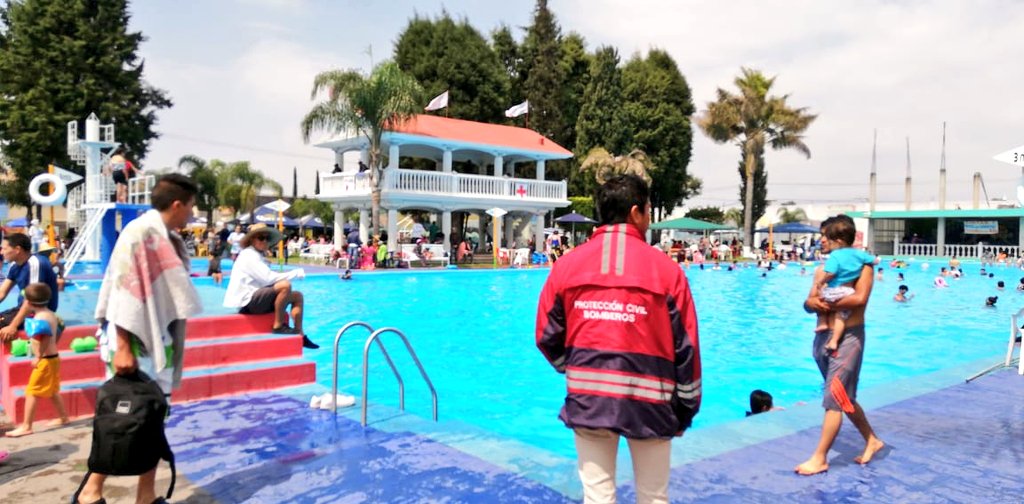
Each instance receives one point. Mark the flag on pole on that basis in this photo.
(518, 110)
(439, 102)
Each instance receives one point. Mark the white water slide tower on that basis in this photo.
(88, 202)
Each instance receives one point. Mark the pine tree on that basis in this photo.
(295, 183)
(544, 76)
(61, 60)
(316, 190)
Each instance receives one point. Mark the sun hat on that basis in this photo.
(275, 235)
(45, 247)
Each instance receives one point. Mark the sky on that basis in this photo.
(240, 73)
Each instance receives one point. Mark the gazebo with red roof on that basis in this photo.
(488, 155)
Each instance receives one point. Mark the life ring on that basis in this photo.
(57, 194)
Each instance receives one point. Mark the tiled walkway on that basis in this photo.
(960, 444)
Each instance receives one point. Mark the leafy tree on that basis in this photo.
(754, 120)
(583, 205)
(603, 166)
(508, 53)
(787, 215)
(207, 178)
(576, 65)
(734, 215)
(369, 105)
(708, 213)
(601, 118)
(760, 203)
(658, 106)
(304, 206)
(543, 74)
(61, 60)
(443, 54)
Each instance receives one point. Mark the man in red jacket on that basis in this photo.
(616, 316)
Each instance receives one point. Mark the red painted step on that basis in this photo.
(81, 402)
(88, 366)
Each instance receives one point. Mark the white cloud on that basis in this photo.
(903, 68)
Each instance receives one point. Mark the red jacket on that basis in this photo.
(616, 316)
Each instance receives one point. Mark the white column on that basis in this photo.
(1020, 233)
(538, 232)
(364, 156)
(364, 225)
(940, 238)
(446, 161)
(446, 228)
(498, 162)
(512, 169)
(393, 156)
(540, 169)
(392, 230)
(339, 229)
(339, 158)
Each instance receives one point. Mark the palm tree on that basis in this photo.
(734, 215)
(245, 184)
(205, 176)
(787, 215)
(605, 166)
(370, 105)
(753, 119)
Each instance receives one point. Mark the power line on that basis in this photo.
(244, 147)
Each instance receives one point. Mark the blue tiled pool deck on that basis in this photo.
(962, 443)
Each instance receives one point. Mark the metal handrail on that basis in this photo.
(401, 390)
(337, 341)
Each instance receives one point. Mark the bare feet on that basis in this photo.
(59, 422)
(811, 467)
(870, 449)
(19, 432)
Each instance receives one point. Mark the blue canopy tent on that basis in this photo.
(19, 222)
(791, 228)
(269, 217)
(311, 221)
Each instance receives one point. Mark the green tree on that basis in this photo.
(734, 215)
(601, 118)
(583, 205)
(304, 206)
(753, 120)
(543, 75)
(658, 106)
(508, 52)
(576, 65)
(369, 105)
(708, 213)
(61, 60)
(443, 54)
(207, 178)
(760, 203)
(787, 215)
(295, 183)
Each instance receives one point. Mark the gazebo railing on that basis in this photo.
(455, 184)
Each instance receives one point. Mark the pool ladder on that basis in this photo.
(375, 338)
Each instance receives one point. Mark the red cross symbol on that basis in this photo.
(521, 190)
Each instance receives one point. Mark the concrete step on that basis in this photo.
(80, 398)
(199, 353)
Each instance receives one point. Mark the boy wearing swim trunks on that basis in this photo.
(44, 382)
(842, 269)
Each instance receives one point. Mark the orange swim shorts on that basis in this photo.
(45, 378)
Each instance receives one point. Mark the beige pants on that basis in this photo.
(597, 450)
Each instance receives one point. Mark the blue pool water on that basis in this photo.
(473, 331)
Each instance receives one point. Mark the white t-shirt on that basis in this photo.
(235, 239)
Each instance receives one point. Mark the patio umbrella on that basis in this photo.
(791, 228)
(19, 222)
(311, 221)
(270, 217)
(572, 219)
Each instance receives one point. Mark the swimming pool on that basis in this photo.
(473, 331)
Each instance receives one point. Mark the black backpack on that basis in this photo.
(128, 436)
